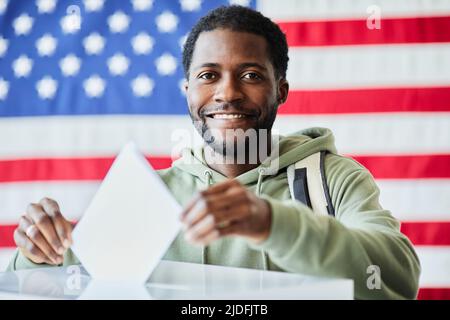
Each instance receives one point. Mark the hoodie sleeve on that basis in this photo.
(19, 261)
(362, 235)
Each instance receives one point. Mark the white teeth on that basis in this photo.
(228, 116)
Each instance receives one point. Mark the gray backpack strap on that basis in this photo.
(307, 183)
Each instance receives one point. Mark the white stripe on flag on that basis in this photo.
(298, 10)
(381, 66)
(91, 136)
(73, 197)
(435, 262)
(5, 257)
(379, 134)
(416, 200)
(430, 198)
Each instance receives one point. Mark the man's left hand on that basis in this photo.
(224, 209)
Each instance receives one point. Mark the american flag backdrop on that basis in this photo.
(78, 79)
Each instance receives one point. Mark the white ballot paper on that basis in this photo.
(130, 223)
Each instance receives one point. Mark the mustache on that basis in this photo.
(227, 107)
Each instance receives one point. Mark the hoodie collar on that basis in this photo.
(292, 148)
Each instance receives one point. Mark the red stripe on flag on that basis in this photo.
(427, 233)
(381, 167)
(435, 99)
(420, 233)
(356, 32)
(434, 294)
(6, 236)
(63, 169)
(407, 166)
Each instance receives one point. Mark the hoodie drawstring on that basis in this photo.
(208, 176)
(261, 172)
(265, 259)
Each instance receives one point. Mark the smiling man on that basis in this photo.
(240, 206)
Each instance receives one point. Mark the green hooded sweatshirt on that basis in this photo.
(361, 235)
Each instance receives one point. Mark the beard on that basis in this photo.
(243, 141)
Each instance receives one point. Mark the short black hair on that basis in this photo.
(241, 19)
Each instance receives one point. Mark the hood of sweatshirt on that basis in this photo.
(291, 148)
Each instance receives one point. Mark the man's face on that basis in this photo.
(231, 86)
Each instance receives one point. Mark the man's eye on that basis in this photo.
(207, 76)
(251, 76)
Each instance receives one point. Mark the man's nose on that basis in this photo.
(228, 90)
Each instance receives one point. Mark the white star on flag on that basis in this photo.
(142, 5)
(190, 5)
(93, 5)
(22, 66)
(22, 25)
(4, 88)
(142, 86)
(182, 87)
(71, 23)
(46, 6)
(182, 41)
(94, 86)
(118, 64)
(46, 45)
(166, 22)
(3, 46)
(118, 22)
(46, 87)
(3, 5)
(142, 43)
(70, 65)
(94, 43)
(166, 64)
(244, 3)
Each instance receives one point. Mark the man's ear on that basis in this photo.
(283, 90)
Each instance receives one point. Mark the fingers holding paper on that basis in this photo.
(43, 234)
(226, 209)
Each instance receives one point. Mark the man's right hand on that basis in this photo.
(43, 234)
